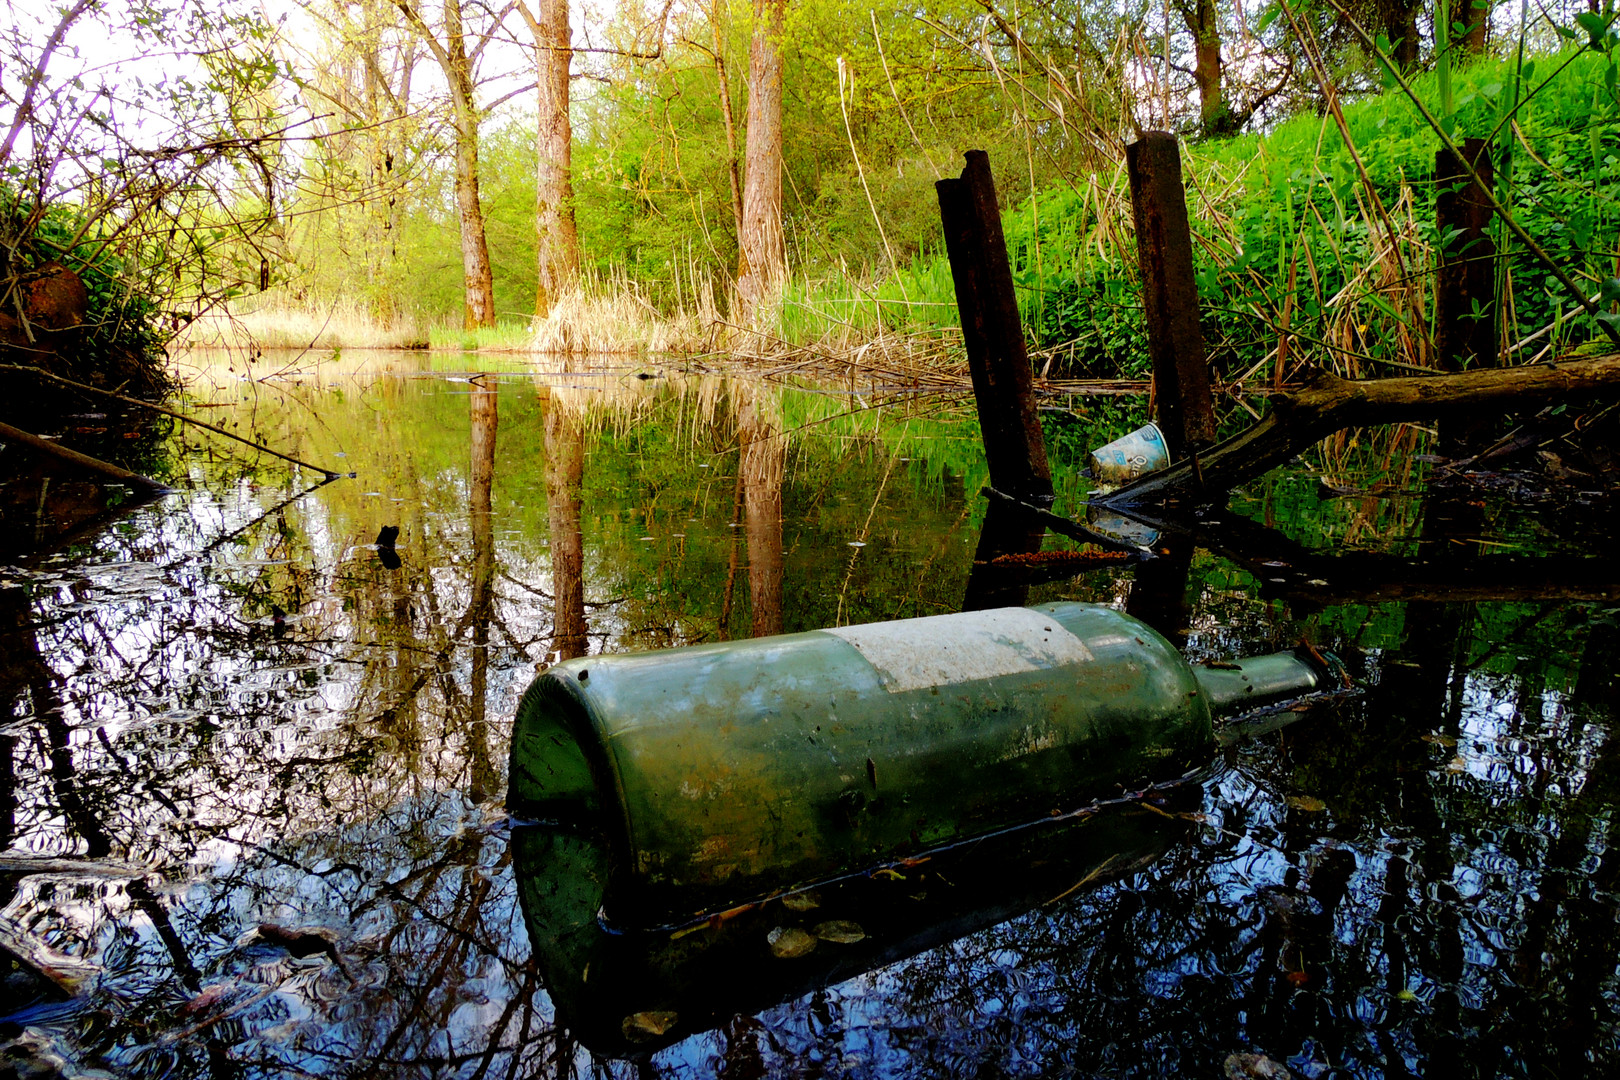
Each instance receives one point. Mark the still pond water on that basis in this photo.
(252, 770)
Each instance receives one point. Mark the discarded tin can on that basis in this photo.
(726, 772)
(1141, 452)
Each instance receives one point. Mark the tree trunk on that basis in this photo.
(451, 55)
(378, 91)
(1398, 20)
(476, 275)
(1475, 17)
(726, 114)
(760, 257)
(1204, 21)
(557, 236)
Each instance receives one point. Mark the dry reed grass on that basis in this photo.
(617, 319)
(274, 321)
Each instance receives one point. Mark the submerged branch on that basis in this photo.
(126, 399)
(1285, 567)
(84, 461)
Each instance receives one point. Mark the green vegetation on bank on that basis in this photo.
(328, 190)
(1286, 233)
(76, 309)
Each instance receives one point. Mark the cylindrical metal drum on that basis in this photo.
(726, 772)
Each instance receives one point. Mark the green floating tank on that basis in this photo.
(723, 773)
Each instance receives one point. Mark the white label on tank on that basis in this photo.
(941, 650)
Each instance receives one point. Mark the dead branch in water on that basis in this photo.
(1327, 403)
(328, 473)
(83, 461)
(1452, 572)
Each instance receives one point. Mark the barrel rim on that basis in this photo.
(562, 691)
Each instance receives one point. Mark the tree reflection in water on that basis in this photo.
(227, 746)
(565, 471)
(762, 454)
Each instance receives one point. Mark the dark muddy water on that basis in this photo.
(252, 763)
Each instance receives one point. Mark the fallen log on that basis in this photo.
(1287, 569)
(1327, 403)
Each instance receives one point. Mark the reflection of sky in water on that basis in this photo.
(1355, 898)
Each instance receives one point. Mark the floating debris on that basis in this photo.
(840, 932)
(642, 1026)
(1241, 1066)
(31, 956)
(210, 997)
(299, 941)
(790, 943)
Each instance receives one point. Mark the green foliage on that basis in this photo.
(120, 343)
(880, 102)
(121, 320)
(155, 183)
(1282, 221)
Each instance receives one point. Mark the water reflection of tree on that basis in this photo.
(485, 421)
(294, 734)
(762, 458)
(1449, 906)
(565, 472)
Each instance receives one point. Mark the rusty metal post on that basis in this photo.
(1465, 293)
(1009, 529)
(1003, 383)
(1465, 332)
(1184, 403)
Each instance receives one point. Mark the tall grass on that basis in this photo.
(612, 314)
(274, 321)
(509, 335)
(1301, 263)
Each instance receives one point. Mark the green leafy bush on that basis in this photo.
(119, 346)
